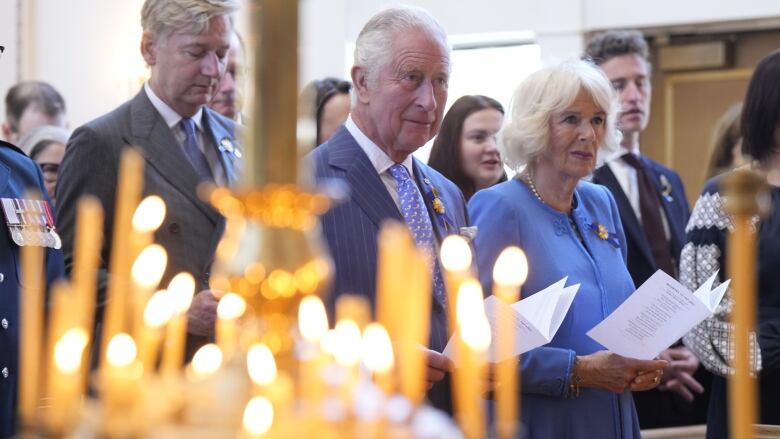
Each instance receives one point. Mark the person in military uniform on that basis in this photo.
(25, 222)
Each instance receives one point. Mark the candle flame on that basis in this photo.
(261, 364)
(181, 290)
(511, 267)
(158, 310)
(473, 323)
(68, 350)
(150, 266)
(455, 253)
(231, 306)
(149, 214)
(329, 342)
(121, 350)
(347, 348)
(207, 360)
(258, 415)
(377, 349)
(312, 319)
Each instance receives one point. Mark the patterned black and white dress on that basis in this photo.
(705, 253)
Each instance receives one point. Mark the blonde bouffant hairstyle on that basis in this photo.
(548, 91)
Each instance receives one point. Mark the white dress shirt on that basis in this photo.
(381, 161)
(172, 119)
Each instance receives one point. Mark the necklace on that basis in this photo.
(533, 186)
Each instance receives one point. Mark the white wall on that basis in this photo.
(89, 48)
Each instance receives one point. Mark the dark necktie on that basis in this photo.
(193, 151)
(650, 208)
(416, 216)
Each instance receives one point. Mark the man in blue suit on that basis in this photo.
(183, 142)
(401, 70)
(654, 211)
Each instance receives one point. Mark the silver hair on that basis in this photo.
(374, 44)
(551, 90)
(161, 18)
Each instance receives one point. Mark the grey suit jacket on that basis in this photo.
(191, 228)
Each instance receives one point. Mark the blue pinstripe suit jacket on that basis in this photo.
(351, 227)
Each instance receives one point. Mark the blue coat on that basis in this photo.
(509, 214)
(17, 174)
(351, 228)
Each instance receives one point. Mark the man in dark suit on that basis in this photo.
(401, 69)
(185, 42)
(654, 211)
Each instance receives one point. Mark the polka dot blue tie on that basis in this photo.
(419, 222)
(192, 149)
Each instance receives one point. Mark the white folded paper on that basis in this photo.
(536, 319)
(658, 314)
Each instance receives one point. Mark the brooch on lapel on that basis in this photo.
(666, 188)
(226, 145)
(601, 231)
(433, 195)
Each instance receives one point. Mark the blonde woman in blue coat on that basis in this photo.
(561, 117)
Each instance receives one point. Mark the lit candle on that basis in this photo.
(394, 243)
(378, 356)
(146, 273)
(122, 384)
(261, 365)
(128, 194)
(205, 363)
(181, 290)
(473, 335)
(509, 274)
(66, 381)
(157, 313)
(87, 257)
(312, 325)
(231, 306)
(258, 417)
(456, 260)
(414, 320)
(30, 332)
(147, 218)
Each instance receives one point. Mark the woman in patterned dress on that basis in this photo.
(706, 252)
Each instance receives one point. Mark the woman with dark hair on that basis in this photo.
(466, 149)
(706, 252)
(330, 103)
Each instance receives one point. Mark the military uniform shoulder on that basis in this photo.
(9, 146)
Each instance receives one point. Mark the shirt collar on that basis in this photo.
(381, 161)
(621, 152)
(171, 117)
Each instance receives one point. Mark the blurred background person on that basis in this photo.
(229, 98)
(706, 252)
(330, 103)
(726, 149)
(29, 105)
(466, 149)
(46, 146)
(561, 117)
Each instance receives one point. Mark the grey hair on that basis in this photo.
(161, 18)
(551, 90)
(374, 44)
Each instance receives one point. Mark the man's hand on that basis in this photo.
(438, 366)
(202, 314)
(679, 375)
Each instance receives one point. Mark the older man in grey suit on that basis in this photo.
(185, 42)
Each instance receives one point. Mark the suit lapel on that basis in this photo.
(631, 225)
(226, 146)
(425, 185)
(161, 150)
(671, 218)
(366, 187)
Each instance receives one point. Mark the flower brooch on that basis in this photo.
(601, 231)
(437, 205)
